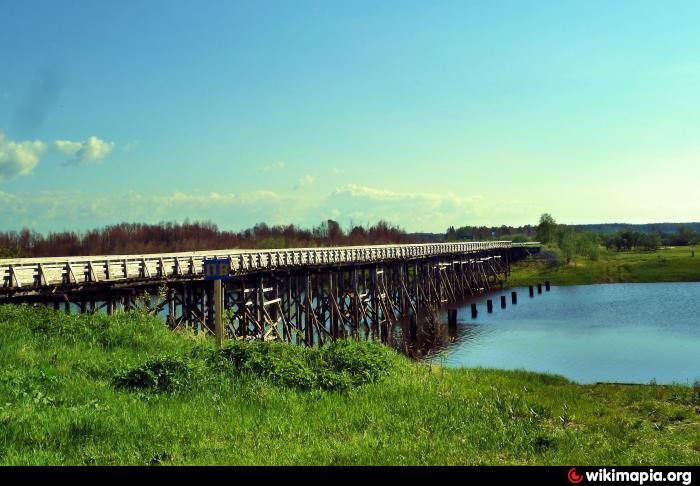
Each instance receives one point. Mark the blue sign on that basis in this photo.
(217, 269)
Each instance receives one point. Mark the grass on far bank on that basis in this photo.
(123, 389)
(673, 264)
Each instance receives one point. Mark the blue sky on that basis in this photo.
(428, 114)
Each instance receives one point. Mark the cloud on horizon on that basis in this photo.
(51, 211)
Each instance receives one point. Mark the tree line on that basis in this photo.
(631, 240)
(572, 241)
(480, 233)
(137, 238)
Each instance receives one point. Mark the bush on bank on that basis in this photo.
(338, 366)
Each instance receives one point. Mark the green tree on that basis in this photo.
(545, 230)
(685, 236)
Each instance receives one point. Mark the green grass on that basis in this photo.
(94, 389)
(664, 265)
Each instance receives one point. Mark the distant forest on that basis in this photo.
(136, 238)
(660, 228)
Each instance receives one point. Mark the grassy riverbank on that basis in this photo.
(99, 390)
(663, 265)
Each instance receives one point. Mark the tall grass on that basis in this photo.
(94, 389)
(664, 265)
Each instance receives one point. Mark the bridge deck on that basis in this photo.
(27, 273)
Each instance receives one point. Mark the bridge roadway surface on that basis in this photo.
(25, 274)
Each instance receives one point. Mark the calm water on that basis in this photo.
(631, 333)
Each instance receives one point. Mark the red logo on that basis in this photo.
(574, 477)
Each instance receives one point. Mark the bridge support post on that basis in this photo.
(374, 296)
(332, 303)
(287, 309)
(218, 307)
(416, 294)
(308, 325)
(260, 308)
(211, 309)
(170, 295)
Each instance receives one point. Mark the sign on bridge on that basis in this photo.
(217, 269)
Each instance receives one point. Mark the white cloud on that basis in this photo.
(274, 167)
(67, 147)
(57, 210)
(426, 198)
(6, 198)
(304, 181)
(91, 150)
(424, 211)
(215, 199)
(19, 158)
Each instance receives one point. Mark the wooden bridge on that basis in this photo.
(299, 295)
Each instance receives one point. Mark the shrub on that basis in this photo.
(163, 374)
(551, 257)
(364, 363)
(338, 365)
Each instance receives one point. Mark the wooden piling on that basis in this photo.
(309, 332)
(539, 288)
(218, 309)
(546, 285)
(489, 305)
(503, 301)
(452, 317)
(333, 317)
(514, 297)
(170, 296)
(532, 291)
(474, 311)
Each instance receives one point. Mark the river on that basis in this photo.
(629, 333)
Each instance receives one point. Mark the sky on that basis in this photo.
(426, 114)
